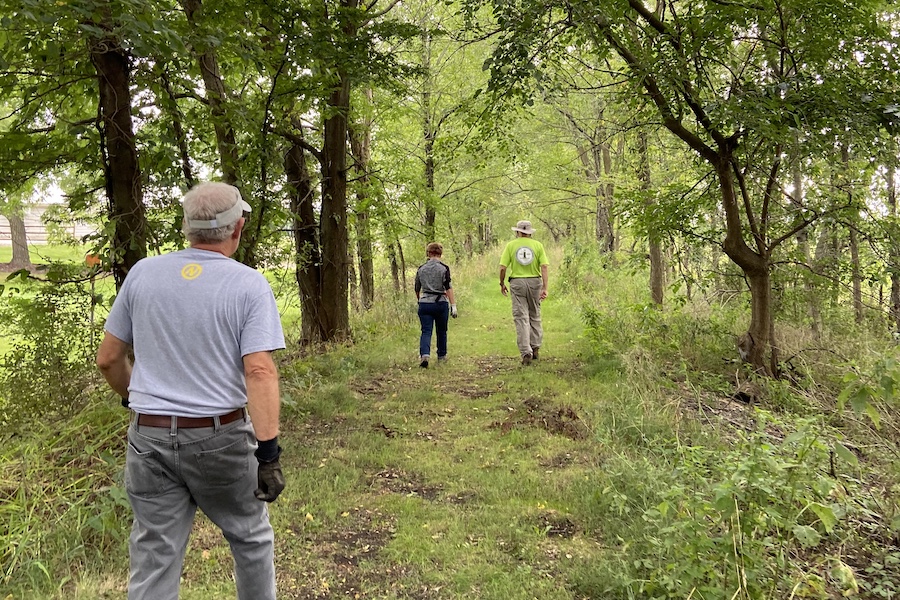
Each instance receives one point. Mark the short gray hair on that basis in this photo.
(203, 202)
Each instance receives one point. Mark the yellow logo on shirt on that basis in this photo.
(191, 271)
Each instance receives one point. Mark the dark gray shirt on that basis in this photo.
(432, 280)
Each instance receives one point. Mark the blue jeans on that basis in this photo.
(168, 475)
(433, 315)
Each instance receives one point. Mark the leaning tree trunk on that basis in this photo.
(216, 97)
(756, 341)
(306, 245)
(21, 258)
(120, 160)
(169, 106)
(226, 142)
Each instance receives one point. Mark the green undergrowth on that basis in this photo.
(620, 465)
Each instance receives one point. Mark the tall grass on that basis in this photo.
(62, 499)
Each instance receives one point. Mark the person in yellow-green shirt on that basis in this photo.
(525, 263)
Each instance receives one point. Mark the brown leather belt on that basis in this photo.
(189, 422)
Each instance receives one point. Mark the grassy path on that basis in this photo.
(448, 482)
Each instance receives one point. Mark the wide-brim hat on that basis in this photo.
(524, 227)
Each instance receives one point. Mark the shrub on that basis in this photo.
(49, 370)
(734, 522)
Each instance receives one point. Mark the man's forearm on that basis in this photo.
(263, 397)
(264, 404)
(118, 376)
(114, 363)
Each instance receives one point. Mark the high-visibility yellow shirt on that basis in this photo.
(523, 257)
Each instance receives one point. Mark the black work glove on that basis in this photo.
(271, 481)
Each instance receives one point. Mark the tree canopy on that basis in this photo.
(762, 132)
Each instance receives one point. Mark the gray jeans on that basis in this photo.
(168, 475)
(526, 310)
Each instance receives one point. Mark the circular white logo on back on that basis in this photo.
(524, 256)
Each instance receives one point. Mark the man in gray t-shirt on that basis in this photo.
(205, 394)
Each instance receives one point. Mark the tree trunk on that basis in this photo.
(360, 148)
(605, 229)
(335, 312)
(856, 275)
(402, 264)
(428, 134)
(755, 342)
(216, 96)
(226, 140)
(308, 270)
(812, 300)
(365, 255)
(21, 258)
(894, 259)
(120, 161)
(170, 104)
(395, 266)
(657, 266)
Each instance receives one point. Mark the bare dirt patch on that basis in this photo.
(379, 387)
(337, 557)
(558, 420)
(400, 482)
(554, 524)
(560, 461)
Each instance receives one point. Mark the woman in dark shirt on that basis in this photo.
(436, 303)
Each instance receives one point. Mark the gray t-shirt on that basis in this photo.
(191, 317)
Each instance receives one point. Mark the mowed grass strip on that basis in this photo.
(455, 481)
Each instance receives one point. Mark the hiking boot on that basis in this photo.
(534, 353)
(526, 359)
(424, 363)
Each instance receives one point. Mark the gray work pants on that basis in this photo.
(168, 475)
(526, 310)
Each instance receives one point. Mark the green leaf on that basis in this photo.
(795, 437)
(825, 514)
(873, 415)
(860, 400)
(807, 536)
(845, 454)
